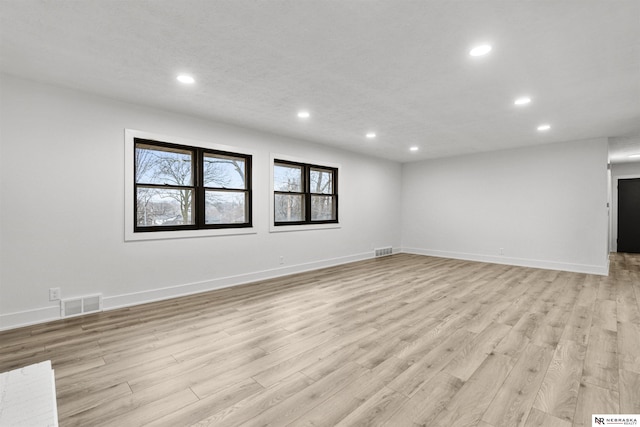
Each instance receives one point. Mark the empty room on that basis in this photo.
(319, 213)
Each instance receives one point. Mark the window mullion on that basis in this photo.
(307, 195)
(199, 190)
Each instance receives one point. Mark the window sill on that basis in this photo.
(302, 227)
(185, 234)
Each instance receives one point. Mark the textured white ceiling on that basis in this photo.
(399, 68)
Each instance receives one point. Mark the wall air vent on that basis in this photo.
(383, 251)
(81, 305)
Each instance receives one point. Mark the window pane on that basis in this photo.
(224, 207)
(159, 206)
(322, 208)
(160, 165)
(224, 171)
(287, 178)
(321, 181)
(289, 207)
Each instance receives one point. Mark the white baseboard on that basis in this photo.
(520, 262)
(51, 313)
(29, 317)
(47, 314)
(126, 300)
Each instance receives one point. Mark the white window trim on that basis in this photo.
(129, 161)
(304, 227)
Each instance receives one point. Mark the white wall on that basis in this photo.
(619, 171)
(544, 205)
(62, 207)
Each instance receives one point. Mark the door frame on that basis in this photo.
(614, 210)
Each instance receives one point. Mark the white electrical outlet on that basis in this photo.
(54, 294)
(501, 251)
(281, 260)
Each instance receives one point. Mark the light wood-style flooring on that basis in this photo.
(404, 340)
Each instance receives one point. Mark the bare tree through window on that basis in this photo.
(168, 186)
(304, 193)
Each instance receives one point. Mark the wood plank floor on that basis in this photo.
(404, 340)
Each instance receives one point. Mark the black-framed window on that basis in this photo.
(179, 187)
(304, 193)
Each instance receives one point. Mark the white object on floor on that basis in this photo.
(28, 396)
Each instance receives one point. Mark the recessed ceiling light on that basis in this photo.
(544, 127)
(371, 135)
(185, 78)
(414, 148)
(522, 100)
(633, 156)
(303, 114)
(480, 50)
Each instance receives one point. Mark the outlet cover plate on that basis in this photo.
(54, 294)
